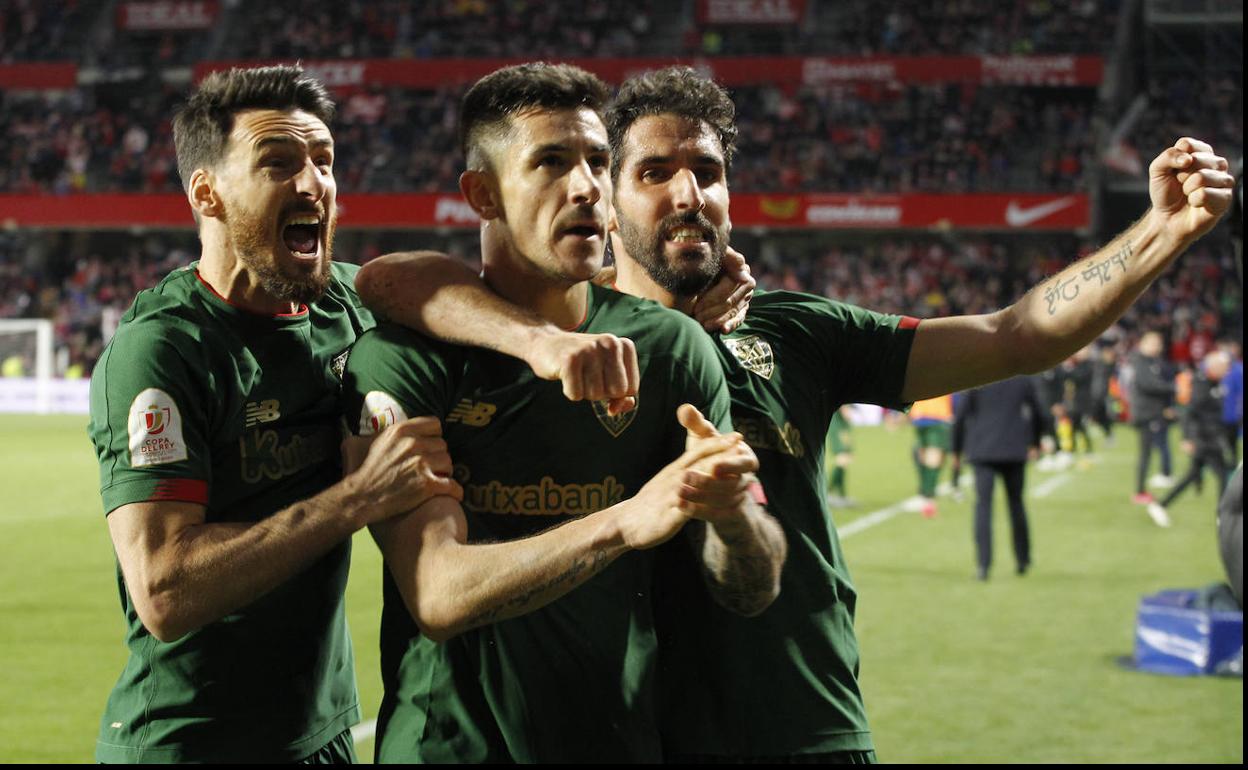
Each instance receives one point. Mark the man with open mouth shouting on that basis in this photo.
(215, 414)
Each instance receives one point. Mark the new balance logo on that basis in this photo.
(262, 411)
(474, 413)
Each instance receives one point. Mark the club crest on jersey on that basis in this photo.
(338, 364)
(155, 429)
(615, 424)
(754, 353)
(380, 411)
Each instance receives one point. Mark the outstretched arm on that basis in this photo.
(1190, 191)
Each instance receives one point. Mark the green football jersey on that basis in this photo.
(785, 682)
(571, 681)
(196, 400)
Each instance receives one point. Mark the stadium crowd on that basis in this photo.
(874, 139)
(825, 138)
(967, 26)
(84, 282)
(1217, 107)
(34, 30)
(42, 30)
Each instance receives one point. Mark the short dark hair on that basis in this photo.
(676, 91)
(488, 106)
(202, 126)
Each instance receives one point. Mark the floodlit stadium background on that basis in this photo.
(925, 159)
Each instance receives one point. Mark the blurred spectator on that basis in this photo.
(1152, 411)
(997, 427)
(1204, 437)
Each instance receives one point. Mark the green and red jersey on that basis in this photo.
(198, 401)
(573, 680)
(784, 682)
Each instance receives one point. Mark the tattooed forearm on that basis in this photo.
(583, 568)
(1065, 287)
(743, 573)
(1060, 291)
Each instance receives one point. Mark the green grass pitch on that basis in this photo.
(1016, 670)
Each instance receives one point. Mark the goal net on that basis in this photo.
(26, 365)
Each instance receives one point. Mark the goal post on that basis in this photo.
(26, 355)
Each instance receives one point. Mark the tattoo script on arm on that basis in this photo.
(1065, 287)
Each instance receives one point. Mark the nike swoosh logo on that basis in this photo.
(1017, 216)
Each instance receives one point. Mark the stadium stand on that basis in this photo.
(816, 138)
(819, 127)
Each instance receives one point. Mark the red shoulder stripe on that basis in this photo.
(185, 490)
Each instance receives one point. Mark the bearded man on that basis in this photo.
(215, 418)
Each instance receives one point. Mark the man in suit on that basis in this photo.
(1152, 397)
(997, 427)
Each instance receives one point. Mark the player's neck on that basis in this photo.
(225, 273)
(560, 302)
(632, 278)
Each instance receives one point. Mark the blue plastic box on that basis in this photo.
(1175, 636)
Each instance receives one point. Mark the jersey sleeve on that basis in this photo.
(150, 419)
(393, 374)
(860, 355)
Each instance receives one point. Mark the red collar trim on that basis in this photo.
(303, 309)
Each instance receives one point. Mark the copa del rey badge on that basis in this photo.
(379, 412)
(155, 429)
(754, 353)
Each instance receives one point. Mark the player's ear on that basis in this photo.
(202, 194)
(479, 190)
(613, 224)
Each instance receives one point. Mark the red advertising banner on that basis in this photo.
(997, 211)
(1041, 70)
(751, 11)
(728, 70)
(38, 76)
(161, 15)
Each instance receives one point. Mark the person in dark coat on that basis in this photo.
(997, 427)
(1103, 366)
(1152, 396)
(1048, 386)
(1203, 435)
(1077, 376)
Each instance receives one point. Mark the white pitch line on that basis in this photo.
(1043, 489)
(363, 731)
(871, 519)
(1046, 487)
